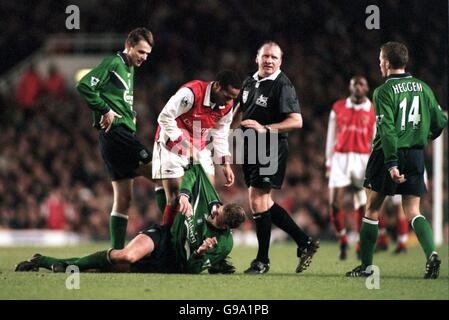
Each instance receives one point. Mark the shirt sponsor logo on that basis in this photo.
(245, 96)
(262, 101)
(128, 97)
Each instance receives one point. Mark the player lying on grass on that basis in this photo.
(197, 238)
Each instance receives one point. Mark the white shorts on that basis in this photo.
(167, 164)
(347, 169)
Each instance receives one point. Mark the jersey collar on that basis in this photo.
(366, 106)
(124, 58)
(272, 77)
(398, 76)
(207, 102)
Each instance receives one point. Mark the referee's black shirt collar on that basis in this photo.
(272, 77)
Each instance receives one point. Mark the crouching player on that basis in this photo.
(197, 238)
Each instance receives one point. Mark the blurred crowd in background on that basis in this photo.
(51, 172)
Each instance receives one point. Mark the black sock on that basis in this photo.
(284, 221)
(263, 231)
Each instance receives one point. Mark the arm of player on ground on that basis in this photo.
(386, 127)
(331, 137)
(179, 103)
(200, 262)
(438, 120)
(89, 85)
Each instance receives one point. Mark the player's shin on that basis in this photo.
(338, 221)
(368, 237)
(169, 214)
(263, 231)
(161, 200)
(284, 221)
(118, 223)
(424, 234)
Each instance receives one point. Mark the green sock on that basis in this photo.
(47, 262)
(98, 260)
(117, 229)
(161, 200)
(424, 233)
(368, 238)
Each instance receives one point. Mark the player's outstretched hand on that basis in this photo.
(208, 243)
(396, 176)
(229, 175)
(107, 119)
(184, 206)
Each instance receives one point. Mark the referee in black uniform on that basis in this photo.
(268, 104)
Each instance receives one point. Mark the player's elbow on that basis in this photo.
(297, 121)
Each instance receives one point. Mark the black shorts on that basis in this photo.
(122, 152)
(265, 168)
(411, 164)
(161, 260)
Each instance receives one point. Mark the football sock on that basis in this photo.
(161, 200)
(424, 233)
(368, 237)
(47, 262)
(284, 221)
(360, 214)
(383, 237)
(98, 260)
(402, 230)
(169, 214)
(338, 220)
(117, 229)
(263, 231)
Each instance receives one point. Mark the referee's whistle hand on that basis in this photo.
(253, 124)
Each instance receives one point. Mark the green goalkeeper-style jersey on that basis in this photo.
(109, 86)
(407, 115)
(188, 233)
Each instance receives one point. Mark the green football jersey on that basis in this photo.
(188, 233)
(407, 116)
(109, 86)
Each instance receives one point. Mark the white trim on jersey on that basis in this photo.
(366, 106)
(272, 77)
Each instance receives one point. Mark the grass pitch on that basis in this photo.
(400, 278)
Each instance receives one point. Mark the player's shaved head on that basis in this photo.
(270, 43)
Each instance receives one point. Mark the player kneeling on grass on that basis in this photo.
(196, 239)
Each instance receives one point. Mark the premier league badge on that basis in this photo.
(245, 96)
